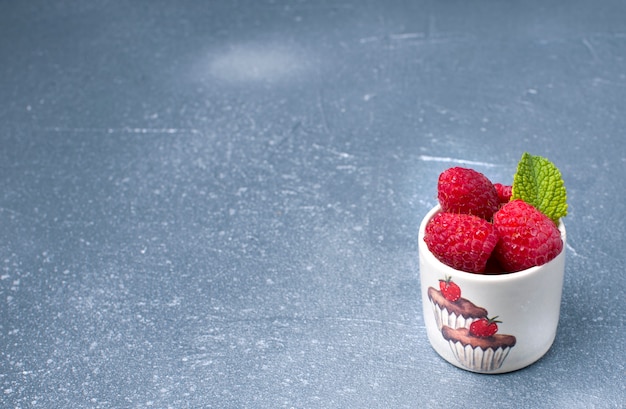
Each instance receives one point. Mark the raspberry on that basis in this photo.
(467, 191)
(504, 192)
(527, 237)
(461, 241)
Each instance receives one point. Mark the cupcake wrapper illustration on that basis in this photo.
(450, 319)
(478, 359)
(458, 314)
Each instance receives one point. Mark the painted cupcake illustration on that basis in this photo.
(479, 348)
(472, 336)
(450, 308)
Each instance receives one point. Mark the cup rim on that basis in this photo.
(481, 278)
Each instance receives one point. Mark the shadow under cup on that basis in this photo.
(526, 302)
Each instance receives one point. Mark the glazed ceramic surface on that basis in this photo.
(527, 304)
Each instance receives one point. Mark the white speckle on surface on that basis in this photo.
(427, 158)
(370, 39)
(571, 250)
(251, 63)
(175, 302)
(406, 36)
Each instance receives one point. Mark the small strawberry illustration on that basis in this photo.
(449, 289)
(462, 190)
(484, 327)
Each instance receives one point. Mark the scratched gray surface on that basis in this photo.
(215, 204)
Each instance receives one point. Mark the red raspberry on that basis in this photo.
(504, 192)
(461, 241)
(467, 191)
(528, 238)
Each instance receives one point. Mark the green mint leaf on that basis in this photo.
(539, 183)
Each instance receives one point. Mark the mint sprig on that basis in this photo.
(539, 183)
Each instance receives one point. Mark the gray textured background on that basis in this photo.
(215, 204)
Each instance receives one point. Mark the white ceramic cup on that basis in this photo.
(526, 302)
